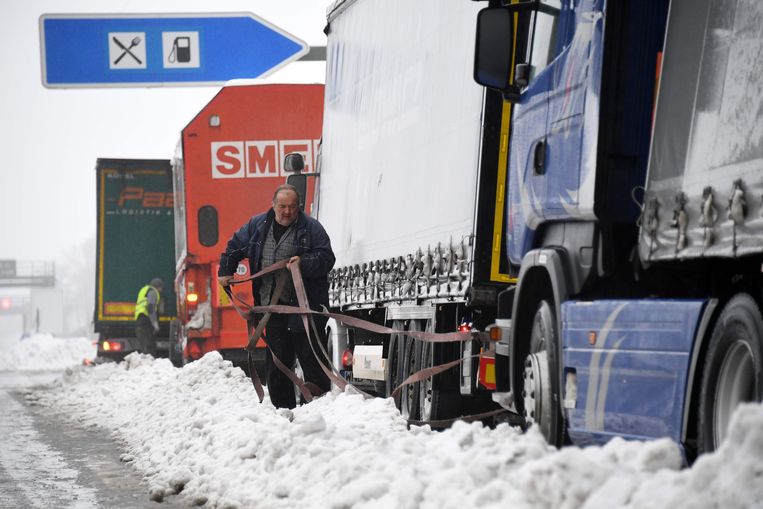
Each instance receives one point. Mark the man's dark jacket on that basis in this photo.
(316, 258)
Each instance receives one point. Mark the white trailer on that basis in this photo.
(412, 206)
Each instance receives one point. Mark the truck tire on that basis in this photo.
(409, 395)
(175, 344)
(733, 369)
(393, 360)
(541, 390)
(427, 402)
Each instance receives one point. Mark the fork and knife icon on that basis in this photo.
(126, 49)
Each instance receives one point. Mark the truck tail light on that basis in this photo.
(191, 296)
(347, 359)
(111, 346)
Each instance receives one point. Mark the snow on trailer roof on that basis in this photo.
(241, 82)
(270, 81)
(336, 7)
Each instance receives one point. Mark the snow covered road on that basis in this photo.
(200, 432)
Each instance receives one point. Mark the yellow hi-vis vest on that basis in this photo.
(141, 305)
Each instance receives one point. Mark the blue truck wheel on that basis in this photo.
(733, 369)
(541, 378)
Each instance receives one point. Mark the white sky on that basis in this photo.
(201, 427)
(51, 138)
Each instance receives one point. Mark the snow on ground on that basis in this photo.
(199, 430)
(45, 352)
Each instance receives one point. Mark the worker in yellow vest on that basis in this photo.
(147, 309)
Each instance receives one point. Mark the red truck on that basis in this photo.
(227, 167)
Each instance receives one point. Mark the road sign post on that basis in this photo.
(102, 50)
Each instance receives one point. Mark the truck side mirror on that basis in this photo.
(294, 163)
(494, 49)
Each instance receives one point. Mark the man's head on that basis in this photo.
(157, 283)
(286, 204)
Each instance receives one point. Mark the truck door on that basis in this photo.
(535, 49)
(568, 76)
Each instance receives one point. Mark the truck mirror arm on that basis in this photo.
(511, 94)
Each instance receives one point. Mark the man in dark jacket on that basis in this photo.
(285, 232)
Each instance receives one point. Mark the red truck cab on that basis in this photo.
(228, 164)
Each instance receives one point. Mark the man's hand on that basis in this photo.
(293, 259)
(224, 280)
(156, 327)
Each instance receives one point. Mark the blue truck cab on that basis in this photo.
(626, 320)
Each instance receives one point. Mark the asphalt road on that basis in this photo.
(48, 462)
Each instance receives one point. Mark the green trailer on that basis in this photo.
(135, 243)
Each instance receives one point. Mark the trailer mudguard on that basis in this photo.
(627, 367)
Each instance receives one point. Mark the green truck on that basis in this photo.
(135, 243)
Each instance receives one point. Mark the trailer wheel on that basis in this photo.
(425, 359)
(409, 395)
(394, 360)
(541, 378)
(175, 348)
(733, 369)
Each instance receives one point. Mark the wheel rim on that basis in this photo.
(409, 365)
(540, 380)
(537, 389)
(736, 383)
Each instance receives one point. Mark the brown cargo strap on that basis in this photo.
(304, 310)
(307, 389)
(306, 313)
(257, 334)
(444, 423)
(363, 324)
(299, 289)
(429, 337)
(255, 377)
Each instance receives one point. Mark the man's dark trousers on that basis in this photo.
(144, 332)
(287, 339)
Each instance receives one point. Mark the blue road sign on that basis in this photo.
(101, 50)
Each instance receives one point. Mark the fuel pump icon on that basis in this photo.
(181, 50)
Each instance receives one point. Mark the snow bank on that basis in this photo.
(45, 352)
(199, 430)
